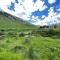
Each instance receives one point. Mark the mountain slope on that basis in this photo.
(11, 23)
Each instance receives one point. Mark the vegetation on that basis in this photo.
(22, 41)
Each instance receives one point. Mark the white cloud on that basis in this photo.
(39, 5)
(28, 4)
(34, 18)
(18, 8)
(5, 2)
(30, 7)
(58, 8)
(43, 16)
(0, 7)
(26, 7)
(52, 18)
(51, 1)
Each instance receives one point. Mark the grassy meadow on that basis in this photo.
(22, 41)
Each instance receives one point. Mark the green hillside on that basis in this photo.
(11, 23)
(21, 41)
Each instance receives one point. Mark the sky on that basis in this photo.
(37, 12)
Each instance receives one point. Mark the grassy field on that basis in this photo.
(20, 41)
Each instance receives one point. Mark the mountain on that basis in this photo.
(9, 22)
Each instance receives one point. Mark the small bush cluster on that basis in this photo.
(17, 48)
(2, 35)
(22, 34)
(47, 32)
(12, 34)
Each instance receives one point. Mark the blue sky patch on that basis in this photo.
(11, 7)
(17, 1)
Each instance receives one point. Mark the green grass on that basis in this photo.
(43, 48)
(10, 56)
(28, 47)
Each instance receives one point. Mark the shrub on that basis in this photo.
(12, 34)
(2, 30)
(2, 33)
(2, 37)
(27, 40)
(22, 34)
(17, 48)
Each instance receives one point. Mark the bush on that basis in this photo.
(12, 34)
(2, 37)
(2, 30)
(22, 34)
(2, 33)
(17, 48)
(27, 40)
(47, 32)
